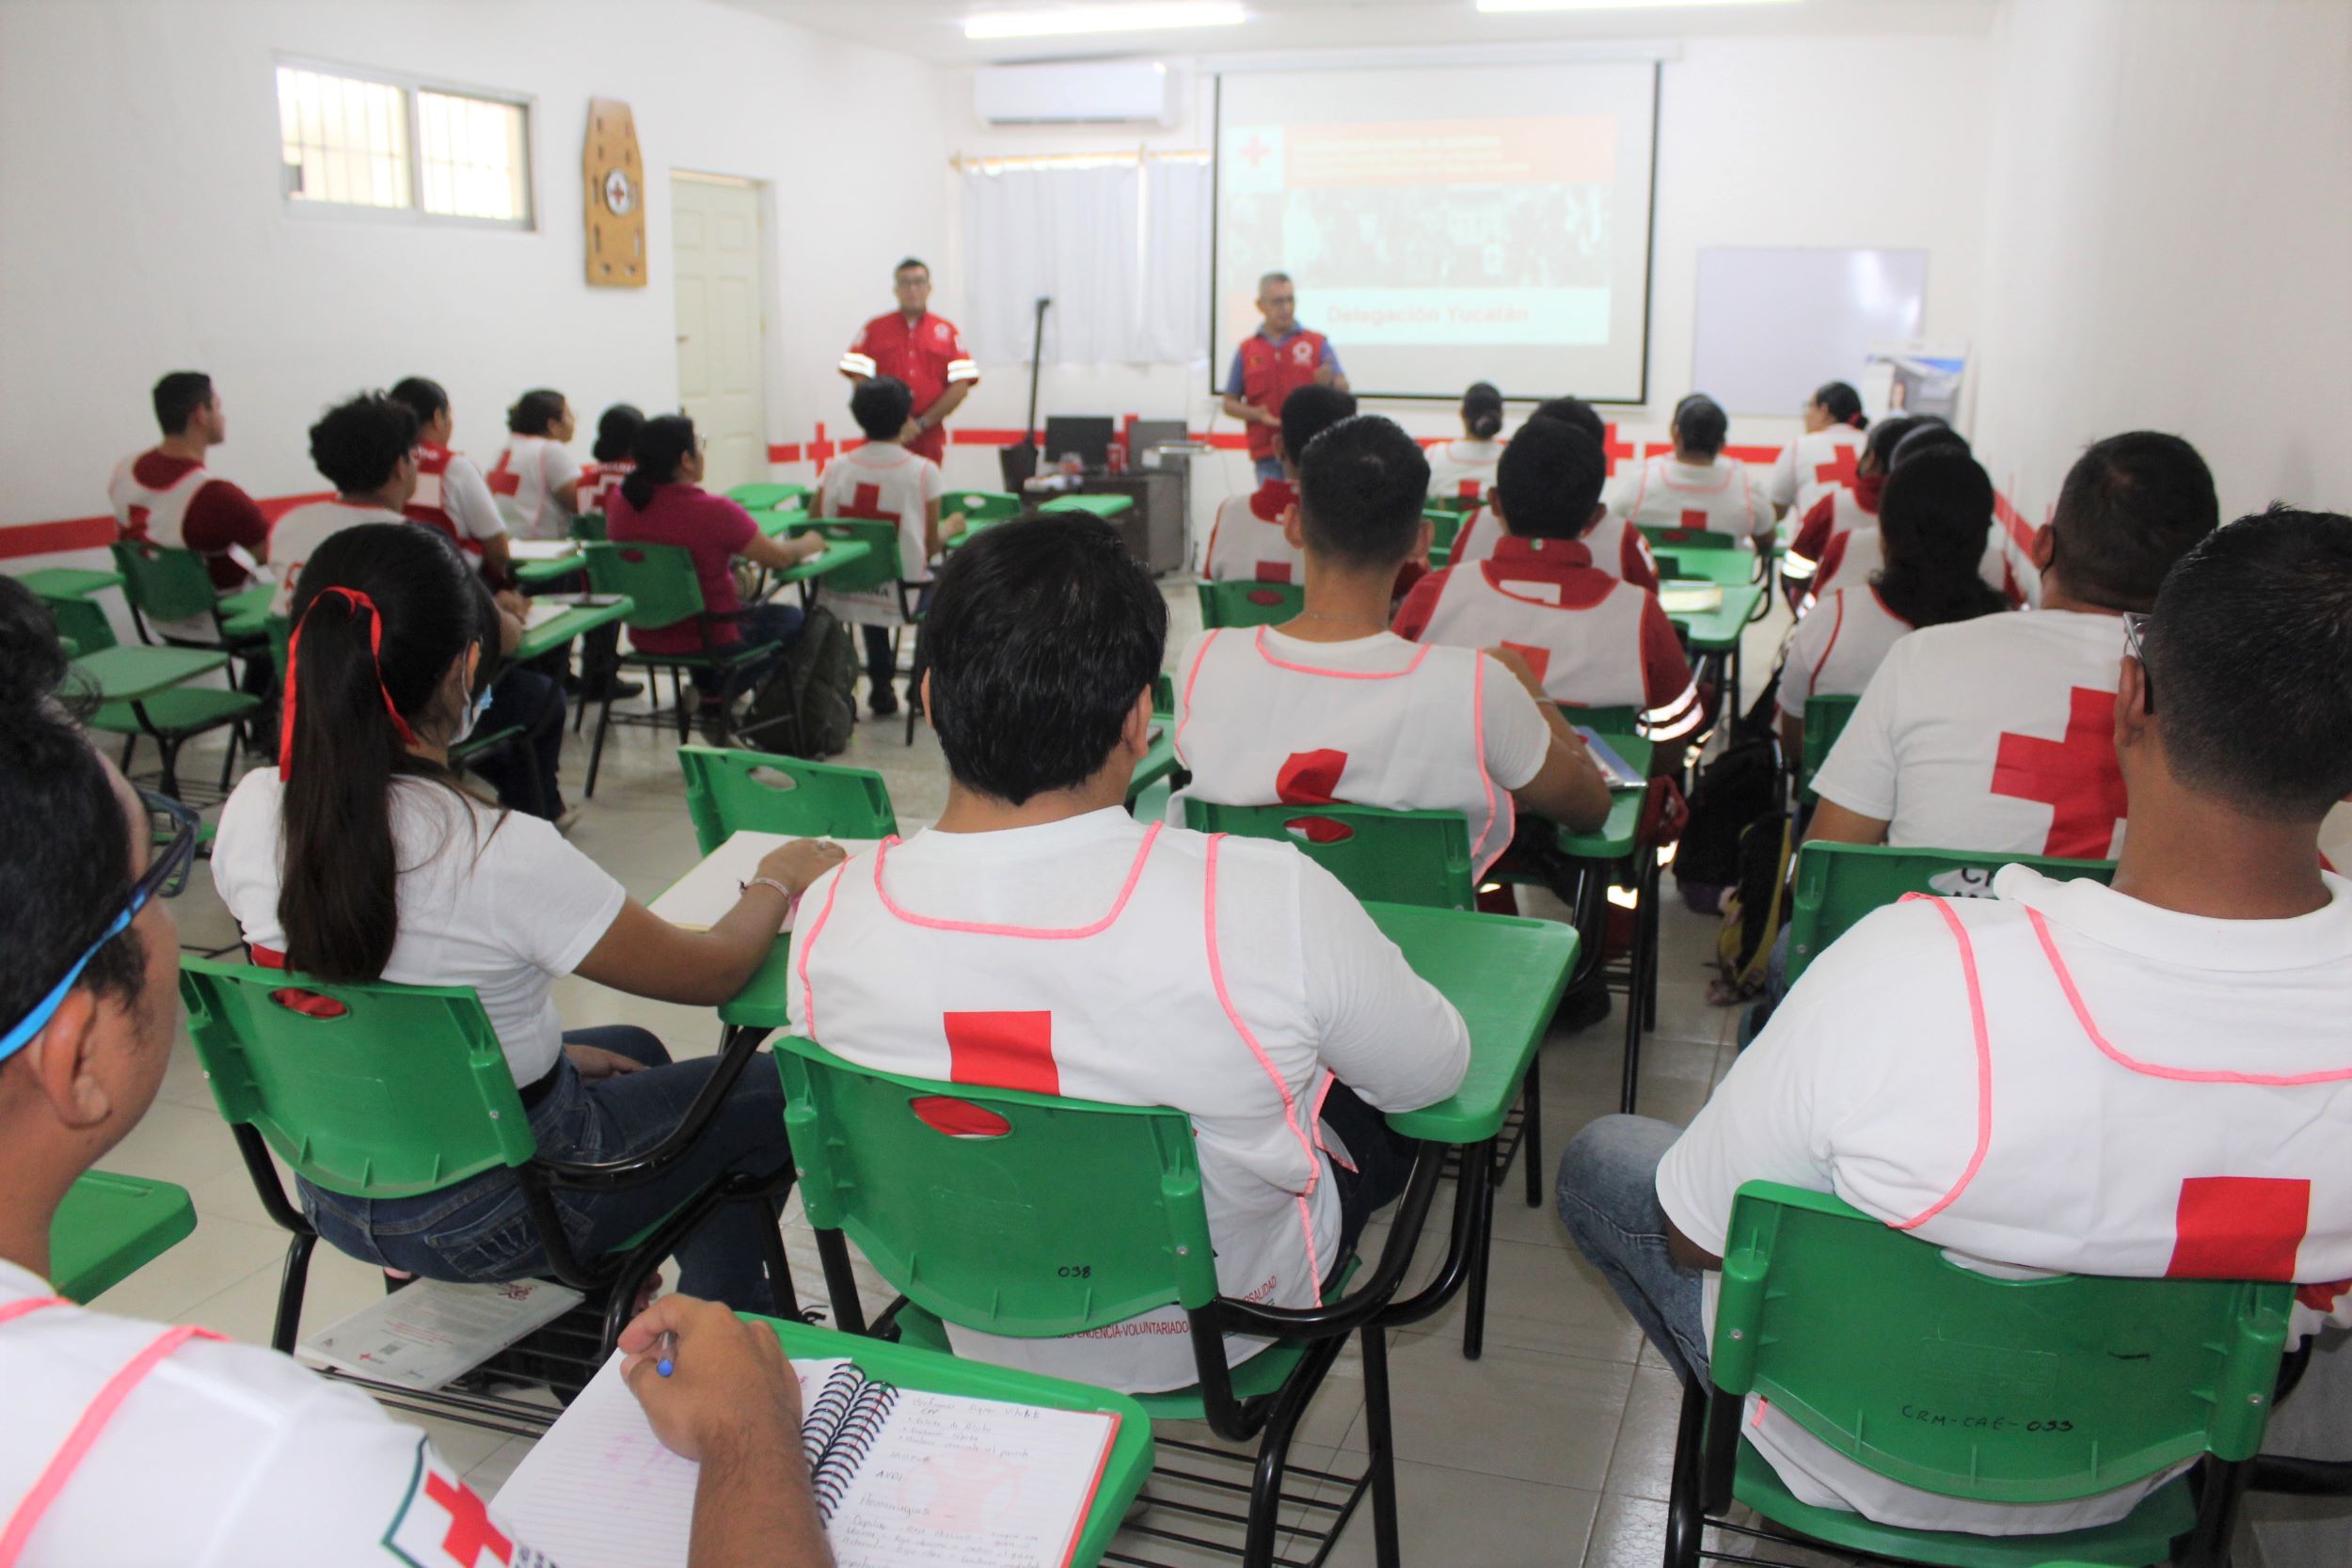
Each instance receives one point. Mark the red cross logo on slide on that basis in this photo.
(1838, 470)
(866, 501)
(1255, 152)
(2077, 777)
(470, 1532)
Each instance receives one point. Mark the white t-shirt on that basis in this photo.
(497, 901)
(1099, 960)
(1994, 733)
(1813, 465)
(529, 473)
(1838, 647)
(303, 529)
(1712, 497)
(2136, 1099)
(222, 1456)
(451, 483)
(882, 478)
(1463, 469)
(1262, 718)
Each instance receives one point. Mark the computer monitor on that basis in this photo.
(1084, 433)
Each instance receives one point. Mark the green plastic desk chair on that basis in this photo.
(588, 528)
(1674, 536)
(1241, 603)
(766, 496)
(660, 581)
(85, 620)
(1384, 857)
(171, 718)
(980, 506)
(1837, 884)
(387, 1091)
(1164, 695)
(727, 792)
(1615, 720)
(1034, 1216)
(110, 1227)
(164, 585)
(1824, 722)
(1991, 1391)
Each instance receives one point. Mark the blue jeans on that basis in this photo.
(1607, 1194)
(479, 1229)
(1384, 1162)
(775, 624)
(523, 774)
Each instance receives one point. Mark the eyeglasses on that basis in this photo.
(172, 828)
(2134, 628)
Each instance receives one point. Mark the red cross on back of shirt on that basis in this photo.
(470, 1532)
(2239, 1227)
(866, 501)
(1694, 519)
(1538, 660)
(1002, 1050)
(1840, 469)
(2076, 777)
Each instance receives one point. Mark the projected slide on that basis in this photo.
(1444, 224)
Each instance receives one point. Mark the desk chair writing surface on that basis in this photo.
(109, 1227)
(731, 791)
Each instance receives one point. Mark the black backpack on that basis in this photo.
(808, 707)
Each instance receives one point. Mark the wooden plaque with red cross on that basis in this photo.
(616, 176)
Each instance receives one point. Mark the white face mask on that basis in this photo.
(474, 710)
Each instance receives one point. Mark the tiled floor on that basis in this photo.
(1552, 1450)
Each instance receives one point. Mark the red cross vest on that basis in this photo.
(1589, 654)
(1617, 547)
(1059, 1012)
(1246, 542)
(1269, 374)
(1727, 503)
(155, 516)
(426, 506)
(1256, 727)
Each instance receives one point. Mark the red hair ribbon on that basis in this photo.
(358, 602)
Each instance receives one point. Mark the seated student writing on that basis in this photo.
(1592, 639)
(1332, 707)
(661, 501)
(1249, 542)
(2157, 1053)
(1040, 938)
(1993, 733)
(1850, 557)
(1695, 486)
(1463, 469)
(361, 858)
(367, 448)
(128, 1442)
(537, 479)
(883, 479)
(1618, 548)
(1933, 519)
(451, 494)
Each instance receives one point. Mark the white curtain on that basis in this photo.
(1172, 314)
(1122, 256)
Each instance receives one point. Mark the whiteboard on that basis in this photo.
(1774, 322)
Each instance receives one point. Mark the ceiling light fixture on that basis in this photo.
(1500, 6)
(1067, 20)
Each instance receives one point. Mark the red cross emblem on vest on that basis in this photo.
(1840, 469)
(2076, 777)
(866, 501)
(1694, 519)
(1002, 1050)
(470, 1532)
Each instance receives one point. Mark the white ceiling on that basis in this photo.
(932, 30)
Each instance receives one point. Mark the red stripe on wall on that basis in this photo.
(77, 533)
(2006, 514)
(784, 453)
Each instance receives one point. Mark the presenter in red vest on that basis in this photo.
(1271, 363)
(920, 349)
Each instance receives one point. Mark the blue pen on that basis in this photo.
(665, 1346)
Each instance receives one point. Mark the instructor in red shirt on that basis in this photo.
(920, 349)
(1273, 362)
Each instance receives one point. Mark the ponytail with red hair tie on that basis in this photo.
(357, 601)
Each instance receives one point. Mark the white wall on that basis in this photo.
(1820, 140)
(139, 164)
(2170, 217)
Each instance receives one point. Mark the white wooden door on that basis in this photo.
(716, 264)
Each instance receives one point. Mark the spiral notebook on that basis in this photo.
(903, 1478)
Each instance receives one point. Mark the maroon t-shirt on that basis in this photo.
(218, 516)
(714, 529)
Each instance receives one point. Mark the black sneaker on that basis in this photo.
(618, 692)
(884, 702)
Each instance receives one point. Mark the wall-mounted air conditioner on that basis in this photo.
(1095, 92)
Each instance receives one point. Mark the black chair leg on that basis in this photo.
(1387, 1550)
(291, 1286)
(1686, 1504)
(781, 1296)
(1478, 1157)
(1532, 1132)
(848, 1313)
(596, 750)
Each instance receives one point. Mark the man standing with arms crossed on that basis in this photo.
(1271, 363)
(920, 349)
